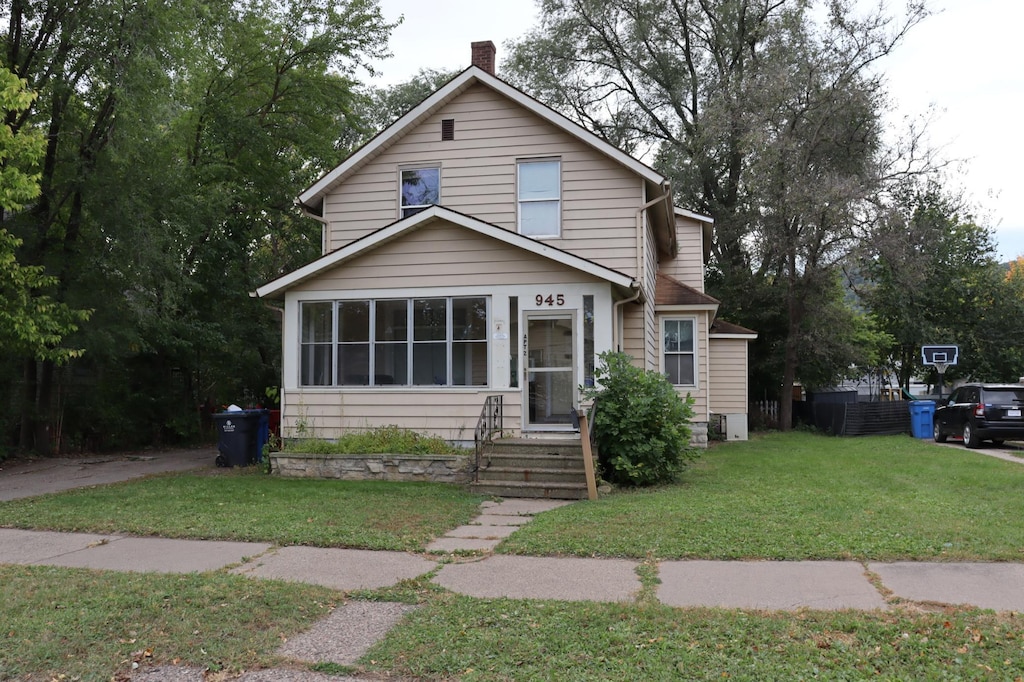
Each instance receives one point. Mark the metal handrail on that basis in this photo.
(491, 421)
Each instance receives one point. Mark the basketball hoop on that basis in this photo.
(940, 357)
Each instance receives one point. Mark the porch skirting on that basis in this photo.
(436, 468)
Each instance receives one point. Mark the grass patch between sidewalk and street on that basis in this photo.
(249, 506)
(475, 639)
(804, 496)
(77, 624)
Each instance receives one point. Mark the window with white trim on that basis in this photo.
(421, 188)
(539, 183)
(679, 351)
(395, 342)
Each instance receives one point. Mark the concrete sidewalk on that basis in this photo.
(766, 585)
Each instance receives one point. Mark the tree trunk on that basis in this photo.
(28, 407)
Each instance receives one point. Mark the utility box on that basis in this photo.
(734, 426)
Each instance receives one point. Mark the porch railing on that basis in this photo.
(489, 423)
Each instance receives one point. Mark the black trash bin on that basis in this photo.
(240, 439)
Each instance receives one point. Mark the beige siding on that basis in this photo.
(441, 254)
(729, 373)
(599, 197)
(688, 265)
(449, 414)
(634, 337)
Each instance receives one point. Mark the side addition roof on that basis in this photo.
(434, 213)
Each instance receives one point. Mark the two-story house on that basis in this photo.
(486, 245)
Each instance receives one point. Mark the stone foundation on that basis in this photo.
(699, 434)
(433, 468)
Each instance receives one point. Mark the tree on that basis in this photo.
(930, 277)
(765, 114)
(31, 323)
(177, 135)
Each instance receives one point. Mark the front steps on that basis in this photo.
(532, 467)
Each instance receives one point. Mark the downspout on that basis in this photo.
(280, 389)
(320, 219)
(639, 279)
(615, 315)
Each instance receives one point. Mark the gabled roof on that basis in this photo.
(669, 291)
(312, 197)
(425, 217)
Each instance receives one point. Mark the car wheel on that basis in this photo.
(971, 439)
(937, 435)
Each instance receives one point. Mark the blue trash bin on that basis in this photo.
(922, 412)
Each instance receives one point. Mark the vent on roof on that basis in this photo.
(447, 129)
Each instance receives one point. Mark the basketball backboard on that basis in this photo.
(939, 355)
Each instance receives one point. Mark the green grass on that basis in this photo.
(474, 639)
(244, 505)
(91, 625)
(805, 496)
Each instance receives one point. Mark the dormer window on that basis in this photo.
(421, 187)
(540, 197)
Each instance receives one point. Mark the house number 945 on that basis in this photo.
(550, 299)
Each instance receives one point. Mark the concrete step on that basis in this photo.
(557, 491)
(535, 446)
(530, 461)
(520, 474)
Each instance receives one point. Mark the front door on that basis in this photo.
(550, 370)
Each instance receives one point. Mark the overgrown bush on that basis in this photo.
(383, 440)
(641, 424)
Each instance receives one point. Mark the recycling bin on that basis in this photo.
(922, 412)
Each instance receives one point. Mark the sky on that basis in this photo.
(962, 63)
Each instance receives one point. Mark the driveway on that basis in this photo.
(1011, 452)
(27, 478)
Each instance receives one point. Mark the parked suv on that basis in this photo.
(981, 412)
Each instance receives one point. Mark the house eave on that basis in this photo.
(397, 229)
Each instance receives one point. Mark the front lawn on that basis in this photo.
(76, 624)
(475, 639)
(805, 496)
(246, 505)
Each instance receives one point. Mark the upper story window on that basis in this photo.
(679, 351)
(421, 187)
(539, 185)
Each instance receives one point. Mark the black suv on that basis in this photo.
(981, 412)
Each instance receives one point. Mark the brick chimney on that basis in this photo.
(483, 55)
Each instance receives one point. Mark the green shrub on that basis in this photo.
(382, 440)
(641, 424)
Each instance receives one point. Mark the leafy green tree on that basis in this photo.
(931, 278)
(766, 116)
(177, 135)
(641, 424)
(31, 323)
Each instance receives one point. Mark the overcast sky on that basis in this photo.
(964, 61)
